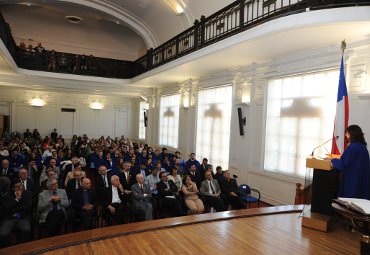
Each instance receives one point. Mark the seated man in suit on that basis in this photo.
(210, 191)
(230, 188)
(33, 171)
(6, 170)
(203, 168)
(195, 175)
(125, 177)
(50, 173)
(52, 206)
(167, 195)
(115, 200)
(141, 197)
(17, 214)
(102, 180)
(27, 184)
(219, 176)
(85, 202)
(71, 175)
(52, 164)
(75, 183)
(152, 179)
(4, 188)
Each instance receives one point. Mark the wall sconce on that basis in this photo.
(36, 101)
(246, 93)
(96, 105)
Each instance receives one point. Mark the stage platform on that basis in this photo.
(269, 230)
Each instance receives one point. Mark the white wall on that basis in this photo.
(246, 152)
(115, 119)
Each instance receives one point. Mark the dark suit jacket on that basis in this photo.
(78, 200)
(23, 206)
(10, 173)
(99, 185)
(229, 186)
(31, 187)
(126, 185)
(197, 178)
(162, 188)
(138, 197)
(71, 188)
(107, 197)
(202, 169)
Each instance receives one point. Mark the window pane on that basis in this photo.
(300, 115)
(169, 120)
(213, 125)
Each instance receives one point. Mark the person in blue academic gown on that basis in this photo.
(354, 166)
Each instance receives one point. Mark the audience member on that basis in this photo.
(230, 188)
(192, 201)
(103, 180)
(52, 165)
(50, 174)
(153, 178)
(52, 206)
(54, 135)
(219, 176)
(192, 161)
(211, 193)
(71, 175)
(141, 197)
(6, 170)
(115, 201)
(179, 167)
(17, 214)
(75, 183)
(167, 195)
(27, 183)
(195, 175)
(4, 188)
(175, 177)
(52, 61)
(85, 203)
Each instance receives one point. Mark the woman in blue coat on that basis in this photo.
(354, 166)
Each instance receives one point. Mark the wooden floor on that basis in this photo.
(275, 230)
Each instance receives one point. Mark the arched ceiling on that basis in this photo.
(126, 27)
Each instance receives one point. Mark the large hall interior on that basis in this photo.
(250, 86)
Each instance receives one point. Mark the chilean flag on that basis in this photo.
(341, 116)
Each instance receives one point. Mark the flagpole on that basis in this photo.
(342, 110)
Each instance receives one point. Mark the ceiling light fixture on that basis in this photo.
(36, 101)
(177, 6)
(96, 105)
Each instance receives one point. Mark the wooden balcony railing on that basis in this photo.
(234, 18)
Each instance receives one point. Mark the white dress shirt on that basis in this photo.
(115, 196)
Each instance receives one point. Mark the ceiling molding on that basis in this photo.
(135, 23)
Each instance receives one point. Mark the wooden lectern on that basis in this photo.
(324, 189)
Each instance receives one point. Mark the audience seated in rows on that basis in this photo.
(112, 179)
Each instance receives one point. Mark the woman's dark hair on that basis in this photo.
(184, 179)
(171, 169)
(356, 135)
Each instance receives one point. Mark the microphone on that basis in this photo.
(335, 138)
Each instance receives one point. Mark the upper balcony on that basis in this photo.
(235, 18)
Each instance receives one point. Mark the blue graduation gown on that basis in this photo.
(355, 172)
